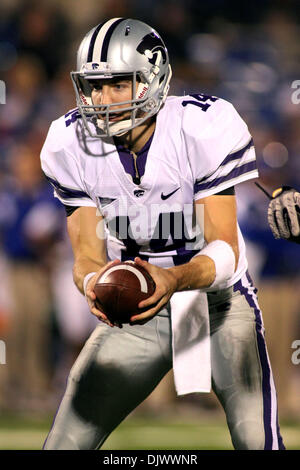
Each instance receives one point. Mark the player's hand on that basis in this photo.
(166, 285)
(284, 214)
(92, 299)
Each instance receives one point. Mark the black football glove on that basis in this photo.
(284, 214)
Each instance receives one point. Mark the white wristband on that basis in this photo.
(223, 256)
(86, 280)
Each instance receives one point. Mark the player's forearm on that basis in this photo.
(214, 266)
(82, 267)
(199, 273)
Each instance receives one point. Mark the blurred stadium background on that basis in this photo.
(248, 53)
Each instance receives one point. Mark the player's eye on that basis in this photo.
(96, 86)
(120, 86)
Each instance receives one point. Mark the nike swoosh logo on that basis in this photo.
(163, 196)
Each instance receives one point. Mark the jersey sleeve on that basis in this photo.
(220, 148)
(62, 170)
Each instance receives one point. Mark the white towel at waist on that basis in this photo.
(191, 342)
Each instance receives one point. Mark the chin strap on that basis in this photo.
(114, 127)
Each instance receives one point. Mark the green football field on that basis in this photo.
(137, 433)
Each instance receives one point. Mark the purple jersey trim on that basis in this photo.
(238, 154)
(238, 171)
(126, 158)
(65, 192)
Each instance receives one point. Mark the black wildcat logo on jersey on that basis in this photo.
(139, 192)
(154, 44)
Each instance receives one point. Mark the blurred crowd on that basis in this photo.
(248, 54)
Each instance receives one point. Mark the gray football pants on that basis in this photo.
(118, 368)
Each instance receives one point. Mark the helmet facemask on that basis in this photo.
(97, 118)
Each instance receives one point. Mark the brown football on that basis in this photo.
(121, 288)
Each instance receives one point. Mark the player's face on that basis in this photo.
(112, 91)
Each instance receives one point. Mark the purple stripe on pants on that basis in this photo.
(280, 441)
(266, 372)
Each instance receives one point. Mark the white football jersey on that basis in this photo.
(200, 147)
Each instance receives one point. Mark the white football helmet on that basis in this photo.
(121, 47)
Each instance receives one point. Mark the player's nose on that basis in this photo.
(105, 97)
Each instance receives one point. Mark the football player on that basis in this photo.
(283, 214)
(134, 168)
